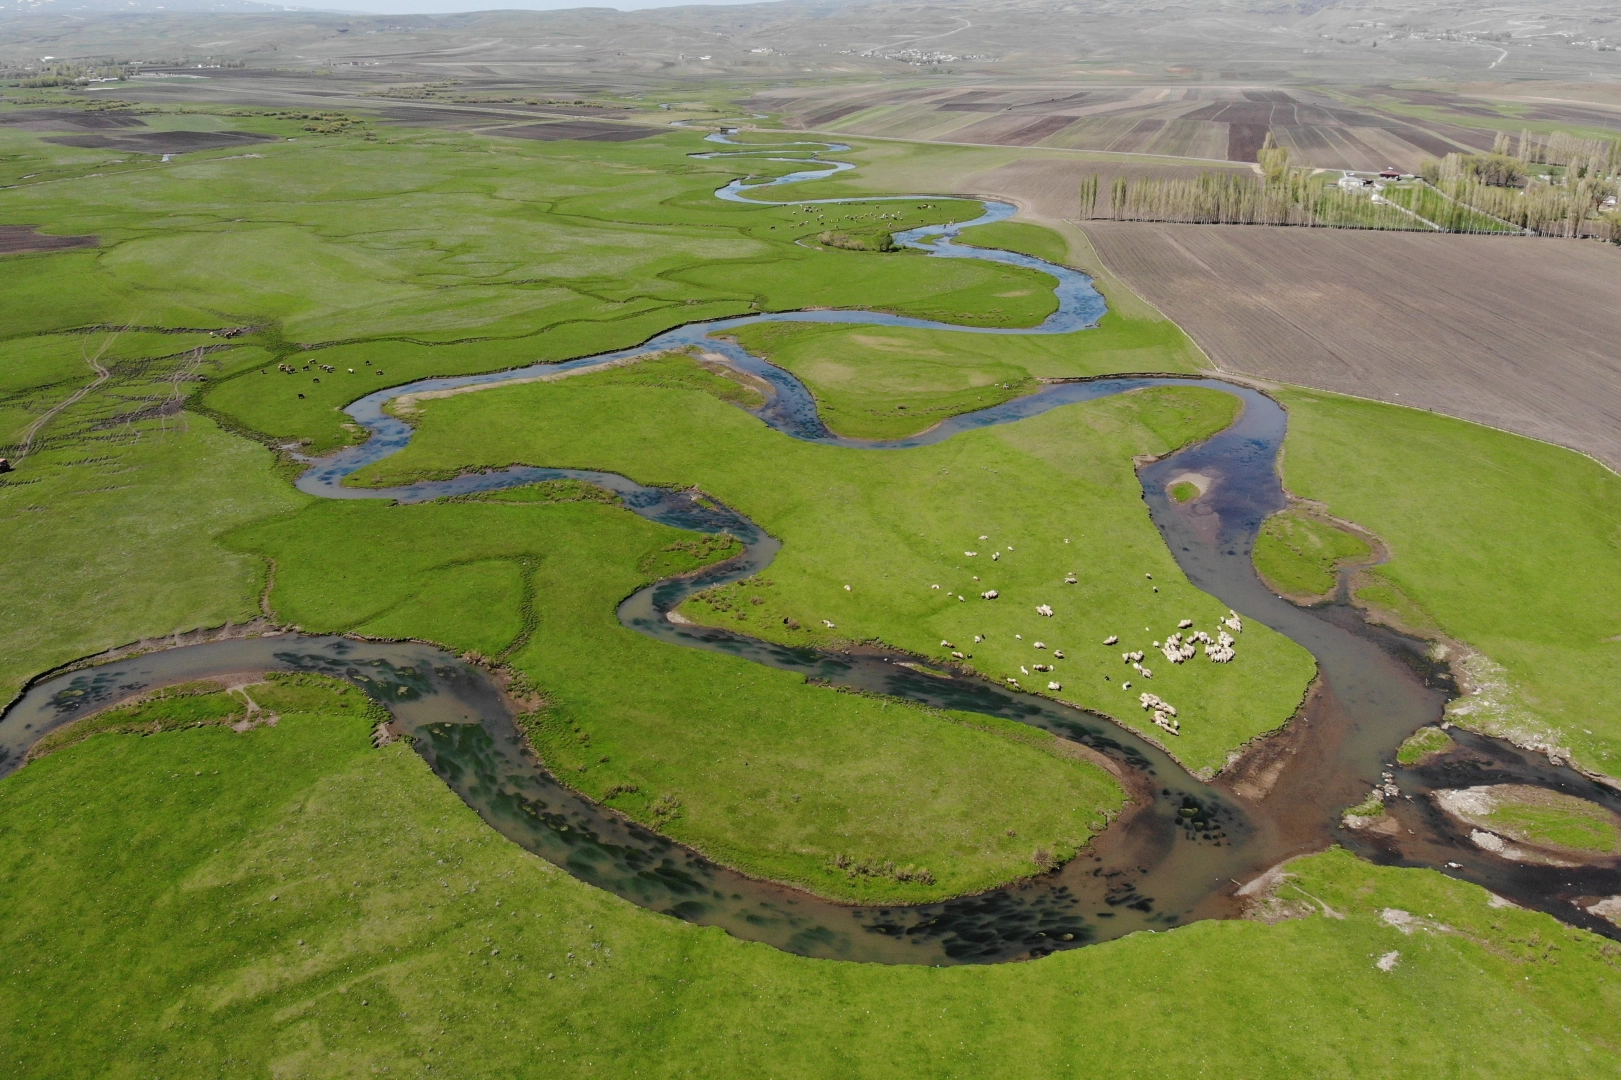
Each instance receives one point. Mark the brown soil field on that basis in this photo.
(1206, 122)
(1516, 332)
(15, 239)
(163, 142)
(68, 120)
(583, 130)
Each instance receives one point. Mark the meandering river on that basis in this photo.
(1177, 854)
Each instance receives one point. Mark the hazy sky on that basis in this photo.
(436, 7)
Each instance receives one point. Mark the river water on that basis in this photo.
(1174, 856)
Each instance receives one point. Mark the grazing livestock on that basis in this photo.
(1184, 624)
(1041, 644)
(1058, 653)
(995, 555)
(1043, 609)
(1111, 639)
(988, 594)
(1054, 686)
(1071, 579)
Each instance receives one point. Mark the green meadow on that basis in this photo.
(188, 899)
(878, 543)
(773, 775)
(1298, 554)
(289, 901)
(1504, 544)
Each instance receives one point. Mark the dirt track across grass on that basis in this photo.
(1518, 333)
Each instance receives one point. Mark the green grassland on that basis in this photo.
(1054, 494)
(411, 253)
(108, 524)
(208, 703)
(1559, 820)
(290, 901)
(1021, 237)
(1297, 554)
(772, 775)
(890, 382)
(1501, 542)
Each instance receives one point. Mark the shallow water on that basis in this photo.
(1173, 857)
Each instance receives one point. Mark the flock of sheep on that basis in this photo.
(1181, 646)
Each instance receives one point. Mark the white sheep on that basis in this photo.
(1043, 609)
(995, 555)
(1111, 639)
(988, 594)
(1071, 579)
(1058, 653)
(1054, 686)
(970, 554)
(1040, 644)
(944, 644)
(1184, 624)
(827, 624)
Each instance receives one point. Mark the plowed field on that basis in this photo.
(1516, 333)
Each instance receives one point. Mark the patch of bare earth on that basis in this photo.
(1515, 332)
(16, 239)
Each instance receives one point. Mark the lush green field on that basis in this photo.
(1297, 554)
(291, 902)
(408, 254)
(1503, 543)
(1552, 818)
(288, 900)
(889, 382)
(772, 775)
(1052, 495)
(1019, 236)
(108, 524)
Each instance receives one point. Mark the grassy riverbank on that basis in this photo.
(770, 774)
(417, 253)
(1297, 554)
(290, 901)
(1498, 541)
(876, 542)
(889, 382)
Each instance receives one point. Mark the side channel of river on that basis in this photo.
(1176, 855)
